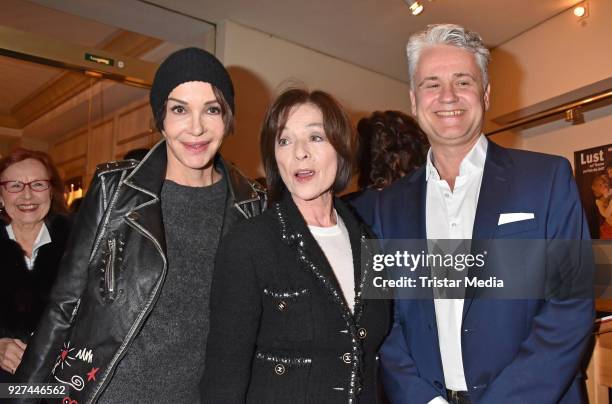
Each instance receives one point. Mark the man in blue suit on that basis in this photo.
(469, 350)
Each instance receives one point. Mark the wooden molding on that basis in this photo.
(9, 121)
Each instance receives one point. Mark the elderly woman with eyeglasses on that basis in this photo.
(33, 233)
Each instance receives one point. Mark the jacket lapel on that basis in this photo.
(407, 221)
(244, 199)
(295, 231)
(421, 230)
(427, 305)
(357, 236)
(495, 189)
(401, 215)
(147, 179)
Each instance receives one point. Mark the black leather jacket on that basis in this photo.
(112, 274)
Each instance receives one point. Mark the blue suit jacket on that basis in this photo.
(514, 351)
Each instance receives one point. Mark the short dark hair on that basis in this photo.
(391, 145)
(226, 113)
(58, 203)
(336, 124)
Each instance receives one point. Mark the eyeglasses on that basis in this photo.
(18, 186)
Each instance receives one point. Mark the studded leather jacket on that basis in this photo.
(97, 311)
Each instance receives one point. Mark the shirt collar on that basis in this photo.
(44, 237)
(474, 161)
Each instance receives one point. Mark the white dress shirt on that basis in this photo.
(43, 238)
(450, 215)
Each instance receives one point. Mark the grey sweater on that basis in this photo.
(166, 361)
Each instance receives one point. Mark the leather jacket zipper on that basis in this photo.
(109, 273)
(139, 320)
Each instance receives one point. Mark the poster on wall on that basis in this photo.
(594, 178)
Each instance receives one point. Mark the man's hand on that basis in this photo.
(11, 351)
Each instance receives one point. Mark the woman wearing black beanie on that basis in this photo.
(128, 318)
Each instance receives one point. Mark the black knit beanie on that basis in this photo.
(189, 64)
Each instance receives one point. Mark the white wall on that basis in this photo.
(554, 58)
(262, 65)
(557, 57)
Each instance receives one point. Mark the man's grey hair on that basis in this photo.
(447, 34)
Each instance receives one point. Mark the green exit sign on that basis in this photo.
(99, 59)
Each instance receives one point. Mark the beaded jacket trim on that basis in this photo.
(284, 295)
(285, 360)
(294, 238)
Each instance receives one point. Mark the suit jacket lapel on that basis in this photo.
(495, 189)
(421, 220)
(401, 215)
(427, 305)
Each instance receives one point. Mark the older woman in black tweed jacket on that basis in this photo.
(289, 323)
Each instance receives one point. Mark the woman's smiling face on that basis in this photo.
(26, 207)
(193, 128)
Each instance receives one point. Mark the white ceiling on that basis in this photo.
(21, 79)
(29, 17)
(368, 33)
(372, 33)
(138, 16)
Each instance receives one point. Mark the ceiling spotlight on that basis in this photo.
(582, 10)
(416, 8)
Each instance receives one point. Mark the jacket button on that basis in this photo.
(346, 358)
(438, 384)
(281, 306)
(362, 332)
(279, 369)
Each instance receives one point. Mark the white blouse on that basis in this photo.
(336, 245)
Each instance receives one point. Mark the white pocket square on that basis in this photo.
(505, 218)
